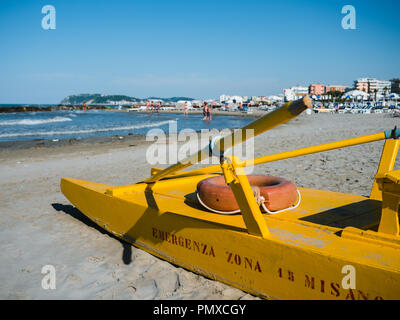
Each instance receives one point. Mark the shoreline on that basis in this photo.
(131, 138)
(57, 142)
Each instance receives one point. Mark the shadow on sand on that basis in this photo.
(75, 213)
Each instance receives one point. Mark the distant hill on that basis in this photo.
(98, 98)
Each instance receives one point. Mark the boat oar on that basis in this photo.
(219, 145)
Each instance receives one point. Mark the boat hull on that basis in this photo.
(300, 260)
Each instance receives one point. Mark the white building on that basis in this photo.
(231, 99)
(295, 93)
(372, 84)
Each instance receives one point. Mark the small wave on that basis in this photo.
(57, 133)
(30, 122)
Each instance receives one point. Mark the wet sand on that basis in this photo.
(38, 226)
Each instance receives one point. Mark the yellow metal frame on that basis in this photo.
(385, 188)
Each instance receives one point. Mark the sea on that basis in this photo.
(83, 124)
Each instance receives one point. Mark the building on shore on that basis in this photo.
(395, 85)
(332, 88)
(231, 99)
(295, 93)
(316, 89)
(371, 85)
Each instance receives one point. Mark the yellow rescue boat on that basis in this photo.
(331, 246)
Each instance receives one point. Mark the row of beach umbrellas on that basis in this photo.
(361, 95)
(357, 94)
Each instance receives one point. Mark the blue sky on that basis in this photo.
(191, 48)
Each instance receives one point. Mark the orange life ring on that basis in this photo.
(278, 193)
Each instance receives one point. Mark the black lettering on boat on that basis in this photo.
(238, 260)
(248, 263)
(322, 286)
(245, 262)
(313, 283)
(281, 273)
(211, 253)
(335, 289)
(196, 246)
(360, 295)
(310, 282)
(183, 242)
(187, 243)
(365, 296)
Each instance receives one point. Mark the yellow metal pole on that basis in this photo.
(295, 153)
(389, 222)
(386, 164)
(237, 179)
(316, 149)
(281, 115)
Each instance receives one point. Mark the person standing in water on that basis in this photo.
(147, 106)
(209, 112)
(205, 111)
(185, 109)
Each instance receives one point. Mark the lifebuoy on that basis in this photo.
(274, 193)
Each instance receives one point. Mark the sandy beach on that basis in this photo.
(38, 226)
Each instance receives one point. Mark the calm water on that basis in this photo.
(75, 124)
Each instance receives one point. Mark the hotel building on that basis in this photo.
(336, 88)
(369, 85)
(316, 89)
(295, 93)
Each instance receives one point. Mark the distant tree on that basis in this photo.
(385, 91)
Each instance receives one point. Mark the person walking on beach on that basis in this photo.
(158, 107)
(185, 109)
